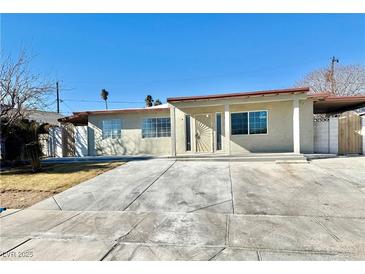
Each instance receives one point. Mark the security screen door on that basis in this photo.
(203, 133)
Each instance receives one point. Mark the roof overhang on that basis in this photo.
(81, 118)
(238, 95)
(331, 104)
(75, 119)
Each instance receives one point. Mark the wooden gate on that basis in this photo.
(349, 133)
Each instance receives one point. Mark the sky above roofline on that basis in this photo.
(170, 55)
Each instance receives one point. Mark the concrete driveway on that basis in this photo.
(181, 210)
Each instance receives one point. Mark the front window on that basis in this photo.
(258, 122)
(239, 122)
(252, 122)
(156, 127)
(112, 128)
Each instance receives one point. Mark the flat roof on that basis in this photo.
(126, 110)
(326, 103)
(239, 94)
(81, 118)
(322, 103)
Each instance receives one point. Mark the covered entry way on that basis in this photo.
(204, 132)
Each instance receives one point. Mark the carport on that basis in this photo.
(342, 130)
(325, 103)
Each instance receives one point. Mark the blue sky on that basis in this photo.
(132, 55)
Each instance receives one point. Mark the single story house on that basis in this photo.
(230, 124)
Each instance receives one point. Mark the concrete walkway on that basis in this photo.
(160, 209)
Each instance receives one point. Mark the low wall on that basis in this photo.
(325, 135)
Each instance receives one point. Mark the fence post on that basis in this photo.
(333, 134)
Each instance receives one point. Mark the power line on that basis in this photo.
(99, 101)
(247, 72)
(67, 106)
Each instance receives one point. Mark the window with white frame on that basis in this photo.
(156, 127)
(258, 122)
(112, 128)
(252, 122)
(239, 123)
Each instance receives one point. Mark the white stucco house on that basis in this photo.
(229, 124)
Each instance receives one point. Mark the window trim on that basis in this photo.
(110, 137)
(216, 134)
(248, 122)
(154, 117)
(191, 133)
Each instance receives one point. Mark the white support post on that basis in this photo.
(173, 130)
(296, 126)
(227, 129)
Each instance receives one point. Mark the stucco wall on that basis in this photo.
(54, 144)
(306, 126)
(81, 138)
(279, 137)
(131, 141)
(280, 126)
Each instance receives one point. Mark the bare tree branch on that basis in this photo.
(349, 80)
(21, 90)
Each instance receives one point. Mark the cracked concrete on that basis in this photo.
(113, 190)
(198, 211)
(188, 187)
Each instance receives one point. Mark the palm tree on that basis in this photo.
(104, 95)
(149, 101)
(157, 102)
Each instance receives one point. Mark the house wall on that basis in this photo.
(55, 145)
(280, 128)
(81, 141)
(306, 126)
(280, 125)
(131, 141)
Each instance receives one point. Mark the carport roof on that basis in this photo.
(325, 103)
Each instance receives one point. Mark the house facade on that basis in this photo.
(228, 124)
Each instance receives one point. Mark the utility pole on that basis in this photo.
(332, 72)
(58, 98)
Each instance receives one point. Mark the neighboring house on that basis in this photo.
(236, 123)
(51, 142)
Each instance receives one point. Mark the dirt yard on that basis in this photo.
(20, 188)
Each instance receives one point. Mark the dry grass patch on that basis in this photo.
(21, 188)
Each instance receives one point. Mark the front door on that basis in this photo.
(203, 133)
